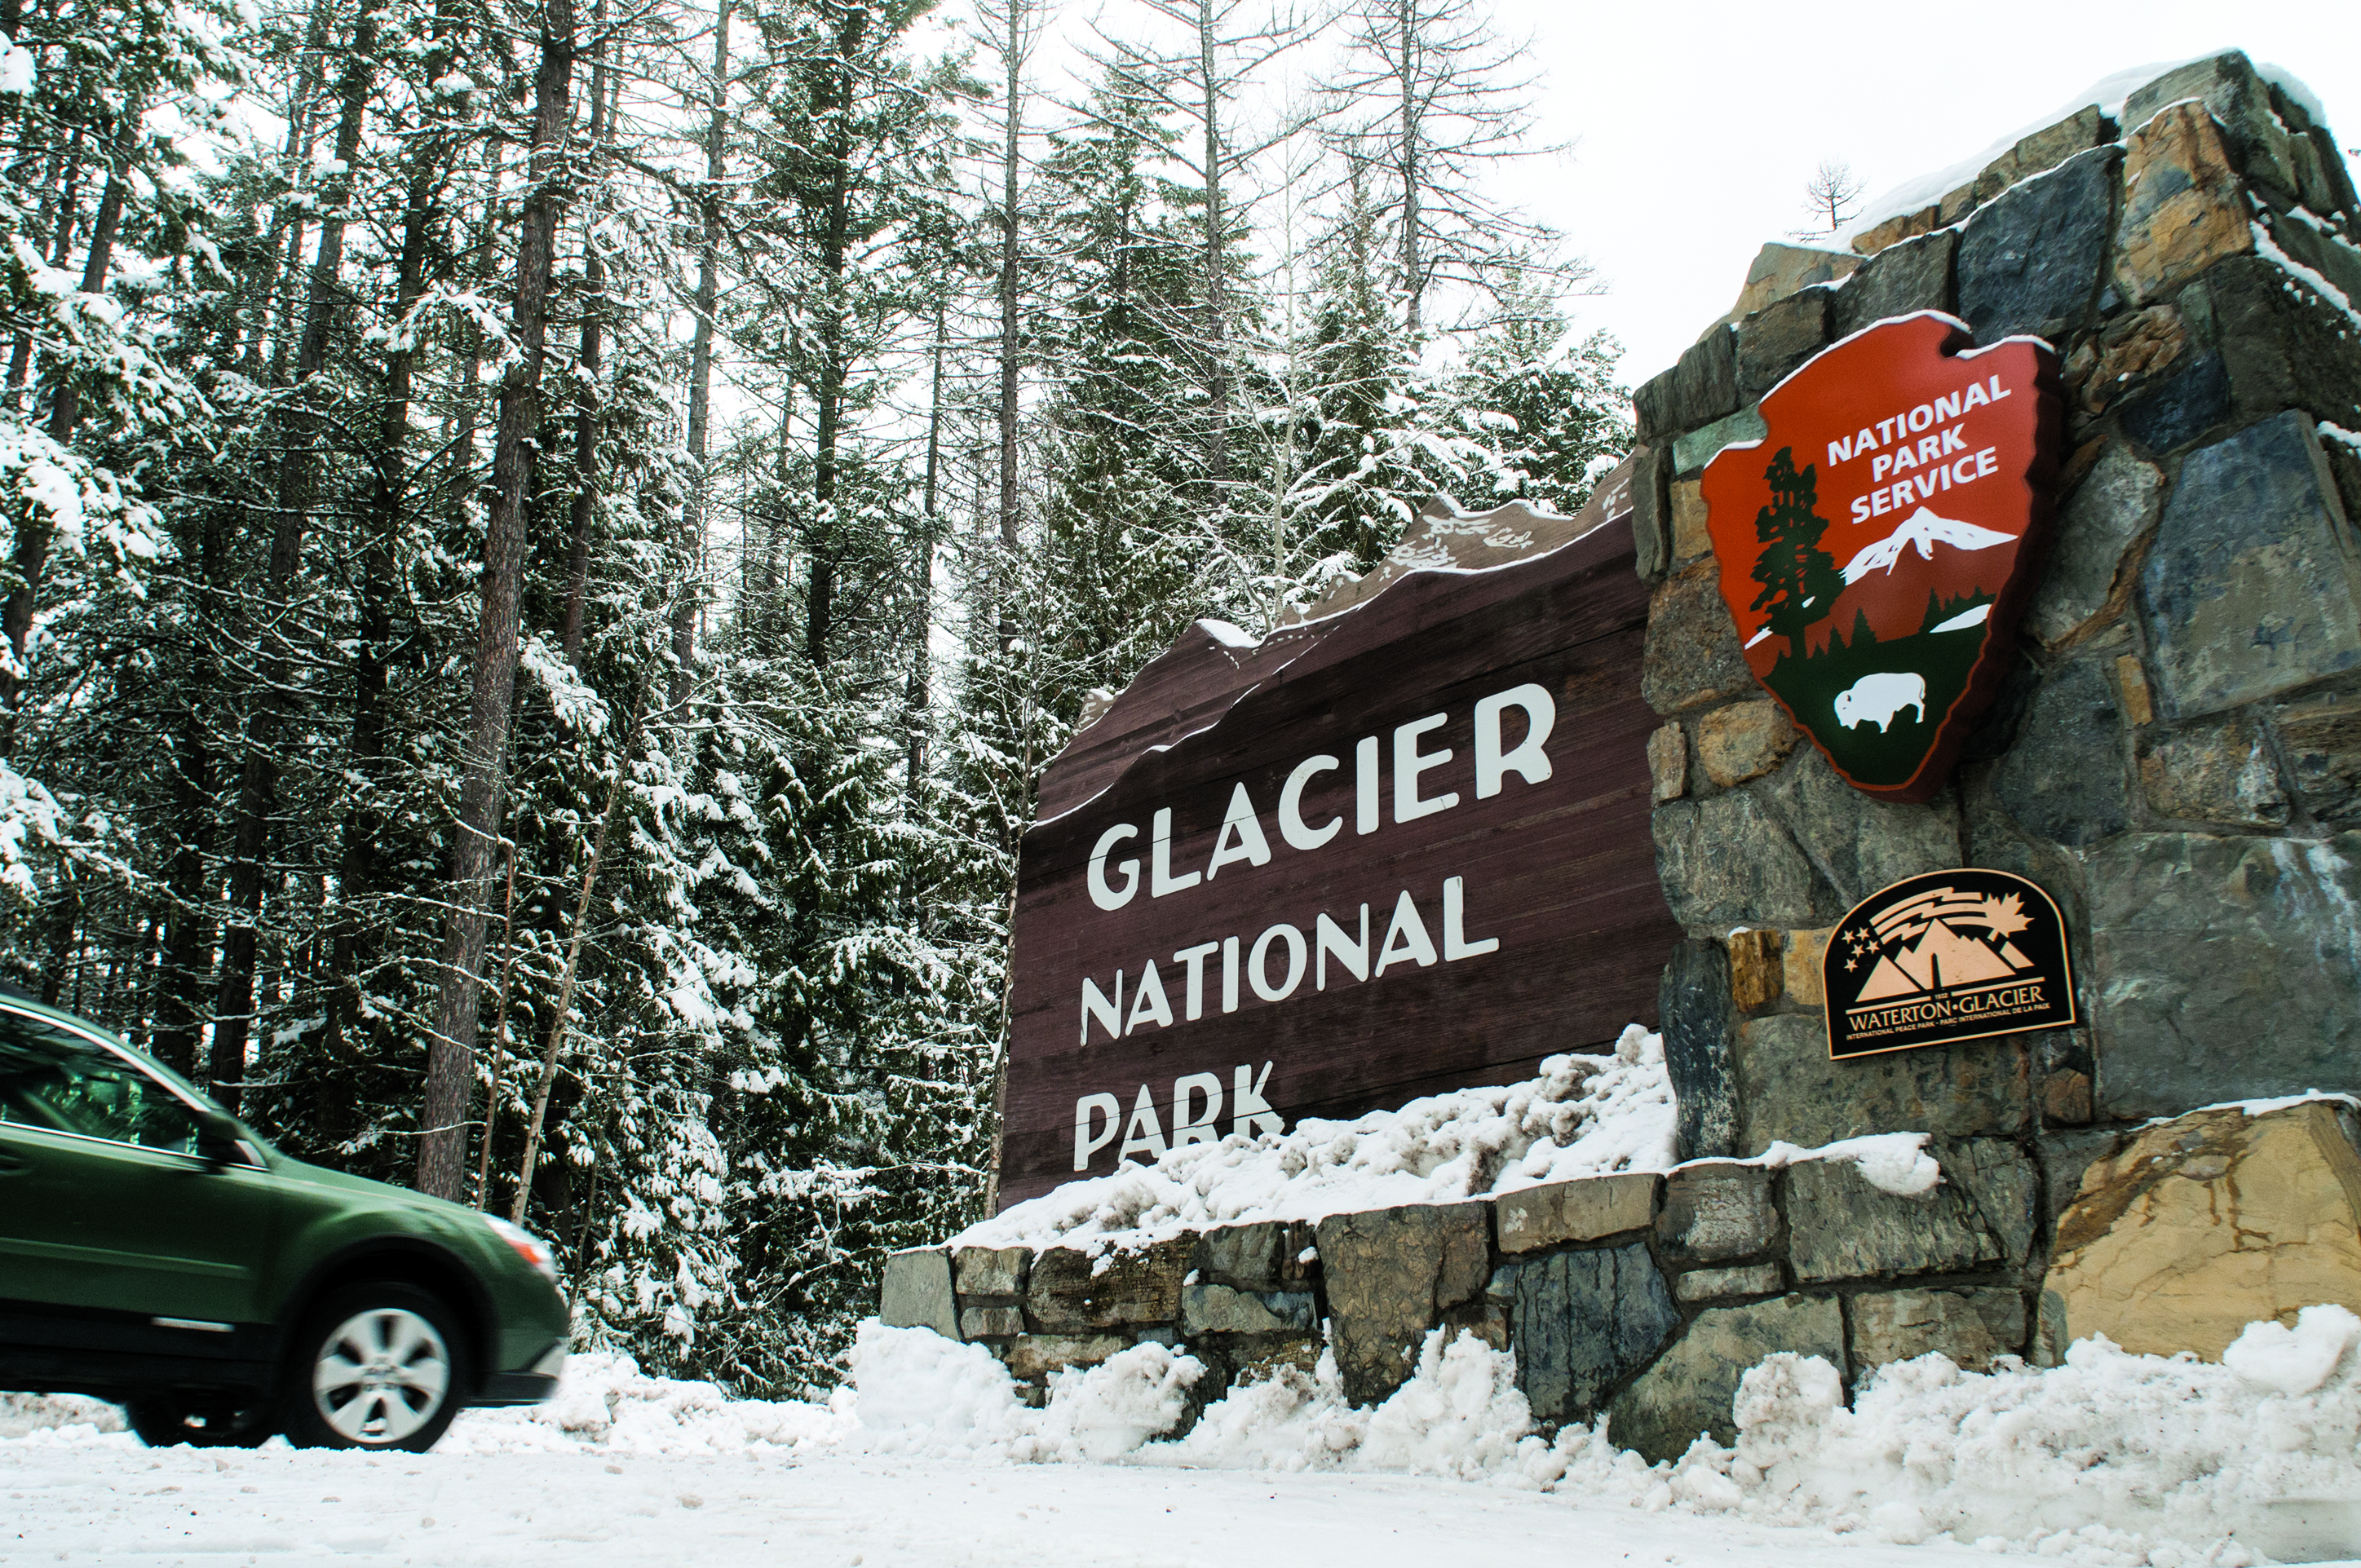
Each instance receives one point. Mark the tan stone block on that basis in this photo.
(1668, 764)
(1958, 204)
(1778, 271)
(1580, 1211)
(2207, 1222)
(1896, 229)
(1756, 973)
(2132, 681)
(2183, 205)
(1802, 966)
(1745, 740)
(1034, 1357)
(1690, 539)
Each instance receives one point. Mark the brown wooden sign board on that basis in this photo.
(1398, 851)
(1876, 545)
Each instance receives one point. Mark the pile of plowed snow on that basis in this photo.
(2110, 1459)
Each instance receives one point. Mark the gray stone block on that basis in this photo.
(1730, 860)
(2283, 343)
(1219, 1310)
(2251, 589)
(1841, 1227)
(1692, 650)
(2117, 502)
(915, 1292)
(2177, 409)
(2064, 779)
(1652, 513)
(2004, 1184)
(1716, 1210)
(2064, 1157)
(1855, 843)
(1712, 1284)
(2032, 261)
(1264, 1257)
(2223, 969)
(1701, 387)
(991, 1271)
(1692, 452)
(1916, 274)
(991, 1322)
(1971, 1327)
(1586, 1211)
(1392, 1273)
(2214, 770)
(1780, 337)
(1695, 1018)
(1788, 1089)
(1690, 1390)
(1071, 1293)
(2321, 738)
(1586, 1321)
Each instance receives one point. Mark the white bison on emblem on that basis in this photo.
(1880, 697)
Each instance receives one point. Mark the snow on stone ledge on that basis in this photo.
(1584, 1115)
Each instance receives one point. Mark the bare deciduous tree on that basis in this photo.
(1833, 194)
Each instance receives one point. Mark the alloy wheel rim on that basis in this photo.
(381, 1375)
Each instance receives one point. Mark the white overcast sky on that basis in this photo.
(1697, 122)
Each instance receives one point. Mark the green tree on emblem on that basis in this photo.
(1800, 580)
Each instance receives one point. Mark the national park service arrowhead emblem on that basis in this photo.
(1876, 545)
(1946, 956)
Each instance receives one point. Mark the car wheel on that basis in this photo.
(168, 1420)
(375, 1366)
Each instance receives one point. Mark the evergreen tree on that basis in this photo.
(1800, 580)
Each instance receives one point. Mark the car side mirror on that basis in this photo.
(220, 1141)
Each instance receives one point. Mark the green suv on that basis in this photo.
(155, 1251)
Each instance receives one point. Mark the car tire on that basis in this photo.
(375, 1366)
(166, 1421)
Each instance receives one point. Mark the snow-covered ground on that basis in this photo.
(928, 1459)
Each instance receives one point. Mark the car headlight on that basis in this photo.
(528, 1246)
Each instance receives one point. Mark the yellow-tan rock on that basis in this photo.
(1745, 740)
(2183, 204)
(2204, 1223)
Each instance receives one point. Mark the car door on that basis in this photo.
(106, 1205)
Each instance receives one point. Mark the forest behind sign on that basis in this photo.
(1876, 545)
(1399, 850)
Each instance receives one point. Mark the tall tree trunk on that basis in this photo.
(701, 368)
(190, 923)
(298, 475)
(1218, 300)
(917, 697)
(361, 874)
(835, 369)
(1011, 290)
(586, 392)
(451, 1052)
(35, 535)
(479, 273)
(1408, 162)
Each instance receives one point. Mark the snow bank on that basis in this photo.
(1584, 1115)
(606, 1401)
(2112, 1459)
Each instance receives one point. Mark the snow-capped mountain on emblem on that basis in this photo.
(1875, 544)
(1923, 531)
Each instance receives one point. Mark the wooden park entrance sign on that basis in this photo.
(1399, 849)
(1876, 545)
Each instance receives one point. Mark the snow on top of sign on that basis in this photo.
(1227, 635)
(1583, 1115)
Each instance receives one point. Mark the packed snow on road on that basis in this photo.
(928, 1457)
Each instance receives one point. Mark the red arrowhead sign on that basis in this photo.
(1877, 544)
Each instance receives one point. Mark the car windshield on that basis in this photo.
(51, 1077)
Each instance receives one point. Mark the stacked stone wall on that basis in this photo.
(2176, 760)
